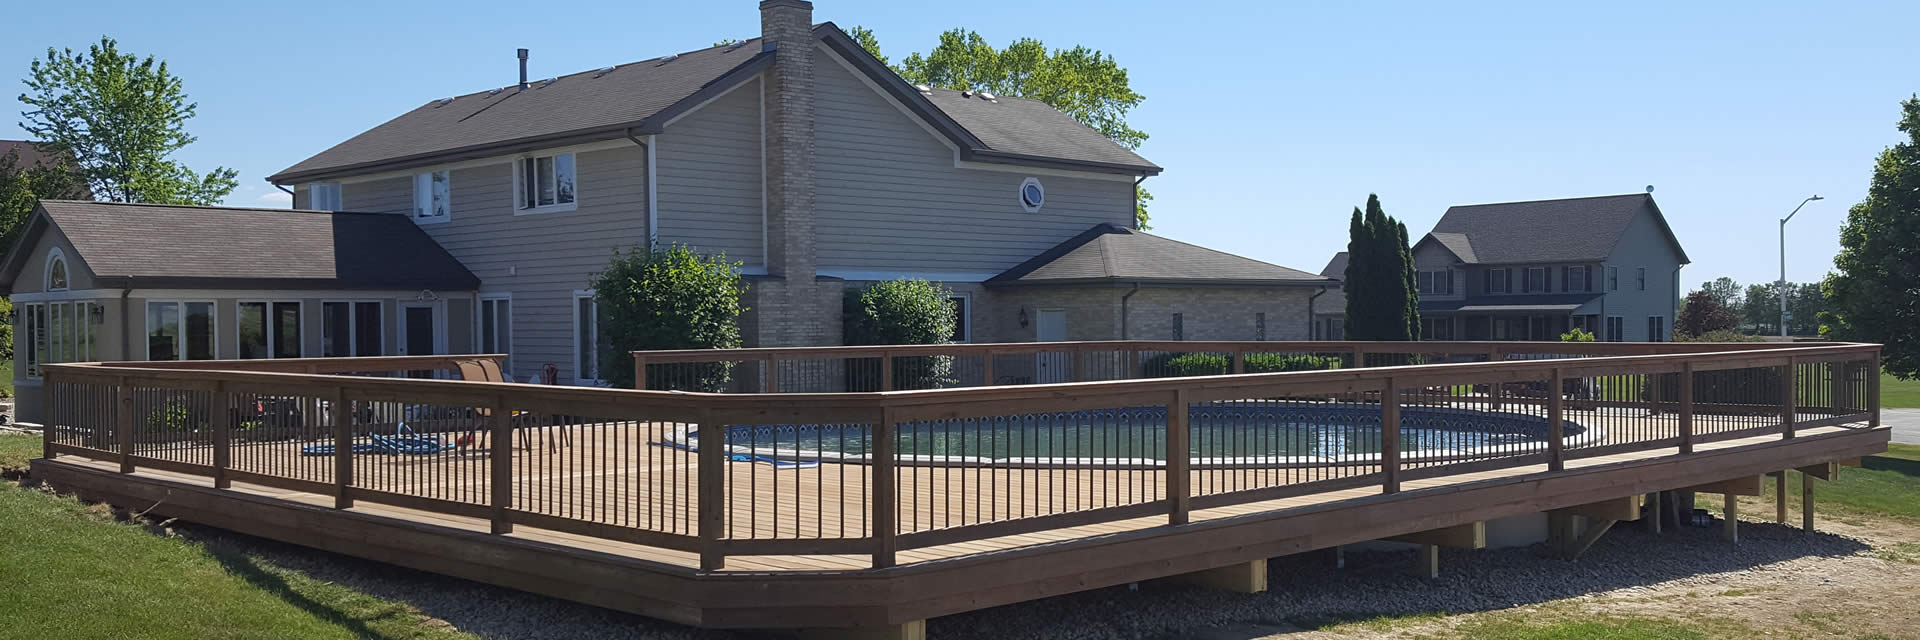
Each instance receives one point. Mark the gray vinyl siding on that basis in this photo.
(1643, 244)
(709, 178)
(890, 199)
(1433, 257)
(541, 258)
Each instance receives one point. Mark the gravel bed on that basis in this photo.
(1304, 589)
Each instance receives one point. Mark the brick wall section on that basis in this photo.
(792, 308)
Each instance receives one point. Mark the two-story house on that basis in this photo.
(796, 154)
(1533, 270)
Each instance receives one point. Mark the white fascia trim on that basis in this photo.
(601, 145)
(930, 276)
(69, 294)
(711, 100)
(942, 139)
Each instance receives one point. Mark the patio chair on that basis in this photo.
(487, 370)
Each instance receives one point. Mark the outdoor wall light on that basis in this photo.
(1023, 317)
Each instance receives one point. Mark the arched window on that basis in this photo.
(56, 271)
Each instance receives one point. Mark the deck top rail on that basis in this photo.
(879, 473)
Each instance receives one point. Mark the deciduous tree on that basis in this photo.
(1875, 287)
(1702, 314)
(118, 118)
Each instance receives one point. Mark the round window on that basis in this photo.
(1032, 195)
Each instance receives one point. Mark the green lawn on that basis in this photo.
(16, 450)
(1886, 485)
(72, 571)
(1899, 394)
(1596, 627)
(6, 378)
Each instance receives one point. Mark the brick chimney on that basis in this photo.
(791, 307)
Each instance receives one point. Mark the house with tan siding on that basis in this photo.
(809, 162)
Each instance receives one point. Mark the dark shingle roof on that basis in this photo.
(1337, 267)
(640, 97)
(1112, 254)
(1566, 230)
(223, 247)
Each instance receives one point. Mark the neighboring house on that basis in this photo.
(28, 153)
(1533, 270)
(1330, 310)
(796, 154)
(94, 281)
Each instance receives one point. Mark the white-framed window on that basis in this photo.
(962, 305)
(1641, 275)
(1576, 279)
(1437, 282)
(494, 330)
(432, 196)
(1536, 279)
(352, 328)
(56, 332)
(1436, 328)
(1656, 328)
(587, 344)
(181, 330)
(1616, 329)
(545, 183)
(270, 329)
(324, 196)
(1499, 281)
(56, 271)
(1613, 278)
(1033, 195)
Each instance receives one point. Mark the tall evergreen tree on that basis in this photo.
(1357, 285)
(1410, 287)
(1382, 299)
(1878, 268)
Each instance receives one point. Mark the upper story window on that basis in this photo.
(1536, 279)
(545, 182)
(1613, 278)
(1438, 282)
(324, 196)
(432, 196)
(1499, 281)
(1641, 274)
(1574, 279)
(1033, 195)
(56, 271)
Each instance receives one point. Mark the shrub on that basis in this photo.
(1210, 364)
(6, 328)
(1722, 335)
(900, 312)
(668, 298)
(175, 417)
(1577, 334)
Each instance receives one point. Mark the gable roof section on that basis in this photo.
(1336, 267)
(30, 153)
(641, 97)
(1564, 230)
(1109, 254)
(220, 247)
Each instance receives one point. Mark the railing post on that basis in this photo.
(1556, 422)
(1239, 360)
(1133, 363)
(1179, 458)
(1359, 357)
(1873, 391)
(712, 461)
(49, 406)
(885, 493)
(1686, 407)
(222, 435)
(342, 448)
(123, 424)
(1494, 388)
(500, 455)
(711, 464)
(772, 375)
(986, 369)
(639, 372)
(1787, 401)
(886, 371)
(1390, 436)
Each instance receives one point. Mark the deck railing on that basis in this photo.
(880, 472)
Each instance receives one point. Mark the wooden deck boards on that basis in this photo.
(587, 480)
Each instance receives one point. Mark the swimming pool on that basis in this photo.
(1221, 434)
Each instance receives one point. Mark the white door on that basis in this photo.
(1051, 326)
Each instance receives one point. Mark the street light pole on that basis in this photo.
(1782, 285)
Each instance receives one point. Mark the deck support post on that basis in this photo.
(1656, 512)
(1339, 556)
(223, 418)
(1730, 527)
(1686, 408)
(1556, 423)
(1390, 436)
(1426, 561)
(711, 465)
(500, 455)
(342, 448)
(885, 494)
(123, 424)
(1780, 496)
(1561, 527)
(1806, 502)
(1244, 577)
(910, 630)
(1179, 458)
(1595, 529)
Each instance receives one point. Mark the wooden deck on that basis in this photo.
(1049, 562)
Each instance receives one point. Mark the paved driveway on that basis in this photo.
(1905, 423)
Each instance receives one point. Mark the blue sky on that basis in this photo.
(1273, 119)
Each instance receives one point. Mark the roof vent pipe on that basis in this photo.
(522, 53)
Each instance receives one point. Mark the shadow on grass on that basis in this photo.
(249, 569)
(1896, 465)
(1373, 593)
